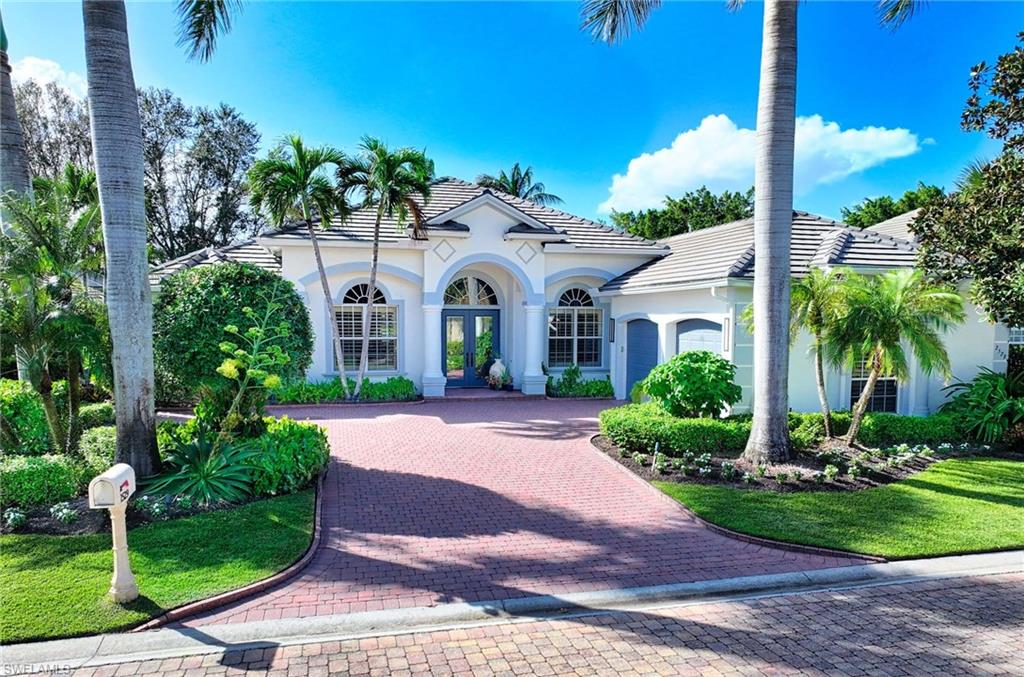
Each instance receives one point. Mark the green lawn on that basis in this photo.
(55, 586)
(955, 506)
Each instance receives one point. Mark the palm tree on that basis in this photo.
(391, 182)
(883, 314)
(117, 151)
(14, 174)
(519, 182)
(815, 301)
(294, 182)
(613, 20)
(50, 246)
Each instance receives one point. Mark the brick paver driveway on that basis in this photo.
(944, 627)
(485, 500)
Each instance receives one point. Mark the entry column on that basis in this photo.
(433, 377)
(534, 380)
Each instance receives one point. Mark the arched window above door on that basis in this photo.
(469, 291)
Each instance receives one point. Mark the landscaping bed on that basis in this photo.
(55, 586)
(955, 506)
(827, 467)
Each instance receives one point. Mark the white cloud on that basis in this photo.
(720, 155)
(44, 70)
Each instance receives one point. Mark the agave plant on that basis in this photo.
(990, 405)
(206, 469)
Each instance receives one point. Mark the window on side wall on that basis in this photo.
(575, 331)
(884, 396)
(383, 349)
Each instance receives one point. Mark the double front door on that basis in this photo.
(470, 344)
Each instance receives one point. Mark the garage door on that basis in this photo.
(698, 335)
(641, 351)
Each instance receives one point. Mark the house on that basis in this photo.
(544, 289)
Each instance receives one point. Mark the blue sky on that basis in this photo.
(481, 85)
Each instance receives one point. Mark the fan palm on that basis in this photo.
(611, 21)
(294, 182)
(394, 183)
(519, 182)
(883, 314)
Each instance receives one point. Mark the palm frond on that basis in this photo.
(612, 21)
(201, 22)
(893, 13)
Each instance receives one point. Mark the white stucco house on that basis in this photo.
(548, 289)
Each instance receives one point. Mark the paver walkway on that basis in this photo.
(485, 500)
(950, 627)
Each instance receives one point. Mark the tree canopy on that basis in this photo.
(874, 210)
(691, 211)
(977, 233)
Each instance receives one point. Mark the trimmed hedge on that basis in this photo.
(637, 427)
(23, 428)
(290, 455)
(95, 415)
(27, 481)
(394, 389)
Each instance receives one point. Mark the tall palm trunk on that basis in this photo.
(117, 150)
(773, 219)
(861, 407)
(364, 354)
(819, 375)
(339, 358)
(14, 173)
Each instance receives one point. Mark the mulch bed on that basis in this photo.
(89, 521)
(876, 471)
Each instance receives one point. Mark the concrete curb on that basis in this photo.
(167, 642)
(231, 596)
(724, 531)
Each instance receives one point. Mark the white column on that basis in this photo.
(433, 377)
(536, 333)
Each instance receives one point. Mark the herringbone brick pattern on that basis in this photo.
(491, 499)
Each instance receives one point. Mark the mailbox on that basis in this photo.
(113, 488)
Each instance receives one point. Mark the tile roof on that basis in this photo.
(243, 252)
(898, 226)
(727, 251)
(449, 193)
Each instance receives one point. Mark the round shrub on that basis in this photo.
(23, 428)
(196, 304)
(95, 415)
(694, 383)
(97, 447)
(289, 455)
(38, 480)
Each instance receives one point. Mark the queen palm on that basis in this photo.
(295, 182)
(519, 182)
(394, 183)
(613, 20)
(883, 316)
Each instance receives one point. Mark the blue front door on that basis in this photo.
(641, 351)
(470, 343)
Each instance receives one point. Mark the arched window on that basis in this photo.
(469, 291)
(383, 352)
(575, 330)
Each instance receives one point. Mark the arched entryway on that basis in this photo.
(471, 330)
(641, 351)
(697, 334)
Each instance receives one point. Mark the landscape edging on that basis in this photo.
(724, 531)
(231, 596)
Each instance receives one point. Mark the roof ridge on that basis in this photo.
(831, 247)
(718, 226)
(742, 263)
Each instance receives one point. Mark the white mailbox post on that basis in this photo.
(111, 490)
